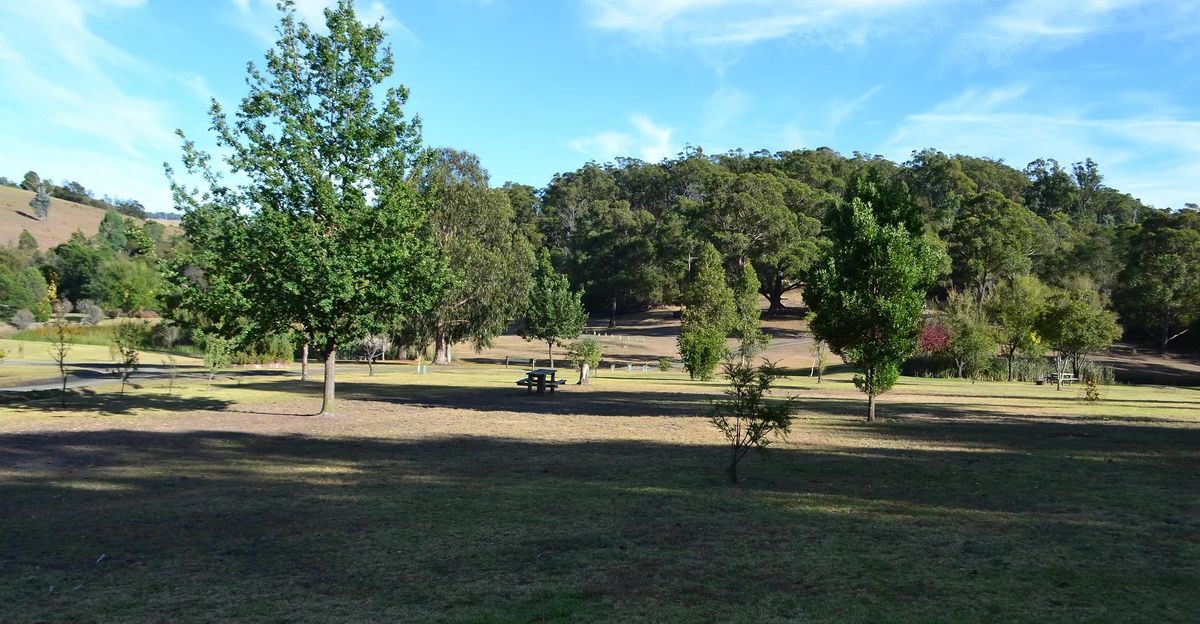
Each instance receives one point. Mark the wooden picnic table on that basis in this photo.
(537, 378)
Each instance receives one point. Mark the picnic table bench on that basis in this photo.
(537, 378)
(1066, 378)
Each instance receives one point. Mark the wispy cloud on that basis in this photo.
(68, 109)
(723, 106)
(1156, 157)
(1024, 26)
(651, 142)
(741, 22)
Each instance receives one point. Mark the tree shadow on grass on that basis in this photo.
(230, 525)
(113, 403)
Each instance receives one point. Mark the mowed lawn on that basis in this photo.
(455, 497)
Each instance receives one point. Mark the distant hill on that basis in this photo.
(65, 217)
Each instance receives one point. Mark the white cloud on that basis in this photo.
(651, 143)
(740, 22)
(1156, 158)
(1023, 26)
(259, 17)
(843, 110)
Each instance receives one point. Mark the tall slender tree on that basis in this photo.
(708, 316)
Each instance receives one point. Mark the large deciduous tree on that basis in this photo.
(869, 292)
(320, 232)
(488, 256)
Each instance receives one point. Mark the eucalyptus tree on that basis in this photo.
(307, 220)
(489, 260)
(1159, 290)
(995, 238)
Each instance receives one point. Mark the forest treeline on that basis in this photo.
(628, 234)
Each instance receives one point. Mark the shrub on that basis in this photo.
(701, 350)
(665, 363)
(585, 351)
(92, 313)
(22, 319)
(747, 417)
(165, 335)
(585, 354)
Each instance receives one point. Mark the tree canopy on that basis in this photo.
(325, 234)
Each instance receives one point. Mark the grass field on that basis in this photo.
(455, 497)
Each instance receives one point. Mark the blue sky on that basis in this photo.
(94, 89)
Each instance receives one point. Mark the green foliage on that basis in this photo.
(126, 285)
(489, 259)
(1076, 323)
(1159, 290)
(869, 292)
(26, 242)
(1016, 307)
(126, 337)
(31, 181)
(746, 315)
(554, 312)
(994, 238)
(40, 204)
(218, 353)
(76, 264)
(708, 316)
(972, 344)
(586, 350)
(22, 286)
(665, 363)
(325, 235)
(748, 417)
(112, 234)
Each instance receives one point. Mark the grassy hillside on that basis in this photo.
(65, 217)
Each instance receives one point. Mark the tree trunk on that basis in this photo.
(370, 366)
(584, 371)
(775, 297)
(1012, 352)
(612, 312)
(870, 387)
(550, 350)
(304, 363)
(330, 364)
(731, 472)
(441, 350)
